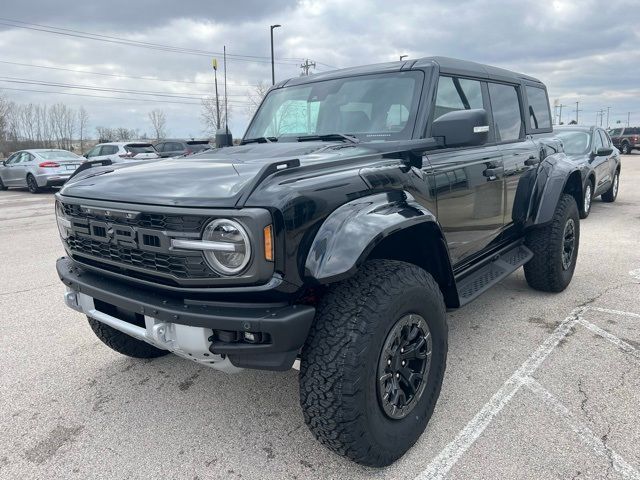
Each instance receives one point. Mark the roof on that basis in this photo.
(446, 65)
(577, 128)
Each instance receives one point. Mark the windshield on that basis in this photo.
(370, 107)
(58, 155)
(575, 143)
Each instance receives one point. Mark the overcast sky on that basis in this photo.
(587, 51)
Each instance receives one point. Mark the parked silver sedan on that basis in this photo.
(38, 168)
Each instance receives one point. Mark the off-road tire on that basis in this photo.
(545, 271)
(625, 149)
(123, 343)
(585, 208)
(338, 371)
(610, 195)
(3, 186)
(32, 184)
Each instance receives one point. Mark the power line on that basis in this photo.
(118, 75)
(135, 43)
(107, 89)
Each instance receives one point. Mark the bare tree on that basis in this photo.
(209, 115)
(105, 134)
(159, 123)
(83, 121)
(256, 96)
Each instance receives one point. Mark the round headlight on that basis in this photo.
(63, 223)
(229, 261)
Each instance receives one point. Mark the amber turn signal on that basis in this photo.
(268, 243)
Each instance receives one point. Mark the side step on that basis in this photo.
(480, 280)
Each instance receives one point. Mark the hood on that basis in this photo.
(210, 179)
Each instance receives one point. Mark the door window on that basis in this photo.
(457, 94)
(506, 112)
(108, 149)
(160, 147)
(597, 141)
(605, 138)
(13, 158)
(539, 115)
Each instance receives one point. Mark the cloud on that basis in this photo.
(582, 50)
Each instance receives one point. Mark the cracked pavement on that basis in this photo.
(74, 409)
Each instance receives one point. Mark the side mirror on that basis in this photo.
(604, 151)
(223, 138)
(462, 128)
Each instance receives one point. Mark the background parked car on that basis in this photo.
(38, 168)
(175, 148)
(122, 151)
(599, 161)
(626, 139)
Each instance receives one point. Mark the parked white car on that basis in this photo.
(122, 151)
(38, 168)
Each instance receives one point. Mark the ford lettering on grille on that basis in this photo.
(121, 235)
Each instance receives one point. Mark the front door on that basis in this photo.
(468, 183)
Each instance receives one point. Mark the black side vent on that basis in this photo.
(151, 240)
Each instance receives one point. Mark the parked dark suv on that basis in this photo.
(361, 205)
(176, 148)
(625, 139)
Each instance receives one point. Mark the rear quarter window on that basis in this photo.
(539, 114)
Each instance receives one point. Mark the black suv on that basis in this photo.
(361, 205)
(176, 148)
(625, 139)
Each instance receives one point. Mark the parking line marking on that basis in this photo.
(618, 342)
(635, 273)
(582, 430)
(449, 456)
(614, 312)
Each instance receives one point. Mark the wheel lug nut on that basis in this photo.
(403, 363)
(397, 375)
(389, 362)
(402, 350)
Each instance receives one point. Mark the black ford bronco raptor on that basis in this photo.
(360, 206)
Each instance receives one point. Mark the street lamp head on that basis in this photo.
(403, 57)
(275, 26)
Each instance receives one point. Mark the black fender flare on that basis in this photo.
(351, 232)
(556, 175)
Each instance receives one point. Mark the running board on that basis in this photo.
(480, 280)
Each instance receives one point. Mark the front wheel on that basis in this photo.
(373, 363)
(626, 149)
(611, 194)
(586, 201)
(555, 248)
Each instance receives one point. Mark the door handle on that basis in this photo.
(529, 162)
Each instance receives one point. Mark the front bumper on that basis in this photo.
(285, 327)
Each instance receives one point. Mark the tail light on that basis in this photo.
(49, 165)
(188, 152)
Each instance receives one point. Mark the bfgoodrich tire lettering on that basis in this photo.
(123, 343)
(340, 360)
(550, 270)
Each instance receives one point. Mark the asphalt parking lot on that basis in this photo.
(537, 385)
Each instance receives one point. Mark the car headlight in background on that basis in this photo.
(235, 251)
(63, 223)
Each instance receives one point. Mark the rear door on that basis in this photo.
(520, 153)
(9, 177)
(600, 163)
(467, 182)
(18, 170)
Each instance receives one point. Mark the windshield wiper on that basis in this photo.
(259, 140)
(329, 137)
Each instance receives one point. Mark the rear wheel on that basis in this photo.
(611, 194)
(626, 148)
(32, 184)
(2, 185)
(373, 363)
(555, 249)
(123, 343)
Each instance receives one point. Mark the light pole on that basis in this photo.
(273, 71)
(403, 56)
(214, 63)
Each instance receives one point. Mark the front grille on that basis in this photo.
(137, 246)
(158, 221)
(178, 266)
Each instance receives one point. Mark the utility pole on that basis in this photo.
(273, 70)
(577, 111)
(214, 63)
(403, 56)
(226, 114)
(608, 108)
(306, 66)
(560, 116)
(628, 119)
